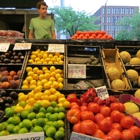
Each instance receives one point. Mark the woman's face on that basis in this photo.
(42, 11)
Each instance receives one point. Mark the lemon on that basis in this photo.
(57, 53)
(41, 77)
(30, 73)
(52, 97)
(52, 68)
(60, 85)
(35, 69)
(27, 107)
(37, 89)
(25, 82)
(60, 80)
(61, 56)
(55, 84)
(29, 69)
(40, 72)
(35, 77)
(33, 82)
(31, 61)
(62, 99)
(45, 103)
(32, 86)
(29, 78)
(45, 97)
(47, 92)
(24, 87)
(46, 85)
(33, 56)
(18, 109)
(52, 79)
(47, 75)
(66, 104)
(31, 101)
(52, 90)
(21, 93)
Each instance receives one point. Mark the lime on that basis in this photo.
(31, 116)
(61, 123)
(46, 127)
(37, 129)
(16, 120)
(47, 115)
(27, 123)
(23, 130)
(49, 138)
(55, 124)
(56, 109)
(10, 128)
(61, 115)
(40, 115)
(54, 104)
(59, 135)
(49, 122)
(61, 129)
(4, 133)
(46, 120)
(52, 117)
(24, 114)
(36, 106)
(16, 129)
(10, 120)
(8, 108)
(40, 122)
(50, 109)
(22, 103)
(2, 126)
(61, 109)
(50, 132)
(42, 109)
(9, 113)
(34, 121)
(20, 124)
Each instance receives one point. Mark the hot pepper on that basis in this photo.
(89, 95)
(72, 97)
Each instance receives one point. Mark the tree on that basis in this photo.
(69, 21)
(130, 28)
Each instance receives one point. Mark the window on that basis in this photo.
(103, 19)
(112, 19)
(122, 11)
(117, 19)
(126, 11)
(103, 10)
(113, 10)
(131, 11)
(103, 27)
(118, 11)
(108, 11)
(122, 17)
(108, 28)
(108, 19)
(112, 28)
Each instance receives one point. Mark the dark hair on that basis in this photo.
(41, 3)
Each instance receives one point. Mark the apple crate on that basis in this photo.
(111, 58)
(10, 76)
(36, 73)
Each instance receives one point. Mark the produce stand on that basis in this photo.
(86, 56)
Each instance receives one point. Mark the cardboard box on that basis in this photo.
(111, 58)
(78, 136)
(130, 98)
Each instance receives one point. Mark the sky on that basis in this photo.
(91, 6)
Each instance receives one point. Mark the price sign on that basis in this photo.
(76, 71)
(27, 136)
(22, 46)
(56, 48)
(102, 92)
(4, 47)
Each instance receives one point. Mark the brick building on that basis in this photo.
(110, 15)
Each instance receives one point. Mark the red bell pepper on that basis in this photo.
(72, 97)
(111, 99)
(89, 95)
(99, 101)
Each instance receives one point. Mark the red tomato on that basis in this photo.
(98, 117)
(75, 106)
(77, 127)
(117, 126)
(115, 134)
(94, 107)
(73, 116)
(88, 127)
(136, 131)
(116, 116)
(73, 103)
(127, 122)
(127, 135)
(87, 115)
(105, 124)
(117, 106)
(83, 108)
(106, 137)
(99, 134)
(105, 110)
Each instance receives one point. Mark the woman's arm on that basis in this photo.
(53, 34)
(31, 34)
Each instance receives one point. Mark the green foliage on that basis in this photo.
(133, 25)
(69, 21)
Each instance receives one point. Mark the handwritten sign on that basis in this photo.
(76, 71)
(56, 48)
(102, 92)
(4, 47)
(22, 46)
(26, 136)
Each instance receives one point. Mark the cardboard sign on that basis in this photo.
(56, 48)
(4, 47)
(22, 46)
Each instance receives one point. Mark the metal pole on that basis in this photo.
(106, 15)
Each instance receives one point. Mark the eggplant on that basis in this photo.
(14, 95)
(9, 100)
